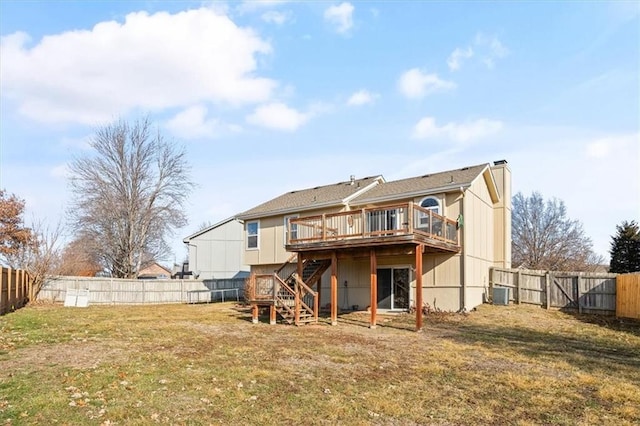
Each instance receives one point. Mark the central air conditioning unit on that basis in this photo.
(500, 296)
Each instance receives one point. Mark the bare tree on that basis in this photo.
(128, 197)
(39, 256)
(543, 237)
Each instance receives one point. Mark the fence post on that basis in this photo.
(578, 283)
(3, 284)
(10, 273)
(518, 278)
(490, 295)
(548, 277)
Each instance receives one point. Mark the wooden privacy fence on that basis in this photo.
(15, 289)
(628, 297)
(585, 292)
(115, 291)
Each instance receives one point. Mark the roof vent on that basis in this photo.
(451, 180)
(352, 179)
(464, 168)
(425, 176)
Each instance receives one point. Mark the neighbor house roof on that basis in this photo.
(313, 198)
(422, 185)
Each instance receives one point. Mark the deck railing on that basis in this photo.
(392, 220)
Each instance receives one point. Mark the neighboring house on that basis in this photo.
(216, 252)
(368, 243)
(154, 271)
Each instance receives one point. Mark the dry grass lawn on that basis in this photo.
(207, 364)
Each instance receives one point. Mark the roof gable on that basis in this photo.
(312, 198)
(422, 185)
(207, 229)
(373, 189)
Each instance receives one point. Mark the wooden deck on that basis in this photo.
(393, 225)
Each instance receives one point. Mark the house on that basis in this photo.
(154, 271)
(368, 244)
(216, 252)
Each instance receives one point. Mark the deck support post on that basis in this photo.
(254, 314)
(300, 265)
(419, 287)
(334, 289)
(272, 314)
(374, 288)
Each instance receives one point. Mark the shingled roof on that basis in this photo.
(425, 184)
(312, 198)
(365, 190)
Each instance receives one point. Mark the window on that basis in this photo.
(253, 228)
(431, 203)
(294, 229)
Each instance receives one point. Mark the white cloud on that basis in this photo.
(147, 62)
(278, 116)
(362, 97)
(606, 146)
(485, 47)
(276, 17)
(458, 56)
(415, 84)
(192, 123)
(255, 5)
(491, 49)
(468, 131)
(340, 16)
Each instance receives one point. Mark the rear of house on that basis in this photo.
(369, 243)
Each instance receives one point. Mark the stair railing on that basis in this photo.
(302, 290)
(282, 289)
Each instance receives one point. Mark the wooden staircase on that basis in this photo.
(295, 300)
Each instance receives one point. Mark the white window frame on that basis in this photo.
(439, 210)
(437, 200)
(257, 235)
(286, 228)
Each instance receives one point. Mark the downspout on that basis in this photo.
(463, 280)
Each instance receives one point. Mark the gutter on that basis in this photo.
(393, 197)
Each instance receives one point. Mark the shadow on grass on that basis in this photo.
(587, 353)
(625, 325)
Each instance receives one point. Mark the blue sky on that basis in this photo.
(273, 96)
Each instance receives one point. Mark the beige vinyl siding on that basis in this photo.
(478, 241)
(441, 280)
(502, 217)
(271, 239)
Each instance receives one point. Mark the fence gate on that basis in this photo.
(564, 292)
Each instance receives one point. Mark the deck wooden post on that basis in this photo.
(419, 287)
(410, 218)
(374, 288)
(272, 314)
(319, 289)
(324, 227)
(334, 289)
(254, 313)
(300, 265)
